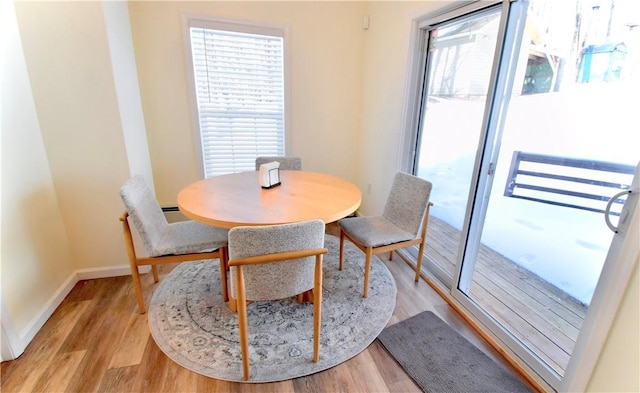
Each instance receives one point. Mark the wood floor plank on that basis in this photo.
(97, 332)
(368, 374)
(84, 331)
(335, 379)
(23, 373)
(404, 386)
(175, 378)
(210, 385)
(85, 290)
(392, 373)
(133, 342)
(273, 387)
(151, 374)
(118, 379)
(57, 376)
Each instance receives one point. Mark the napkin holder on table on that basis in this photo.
(269, 174)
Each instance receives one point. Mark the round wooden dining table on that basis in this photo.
(238, 199)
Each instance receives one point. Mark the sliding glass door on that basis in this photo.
(459, 64)
(525, 131)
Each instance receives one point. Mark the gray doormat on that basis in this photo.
(440, 360)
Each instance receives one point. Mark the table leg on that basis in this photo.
(307, 296)
(233, 303)
(304, 297)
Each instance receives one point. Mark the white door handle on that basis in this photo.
(623, 214)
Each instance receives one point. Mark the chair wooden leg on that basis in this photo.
(223, 273)
(154, 271)
(391, 255)
(341, 248)
(317, 308)
(133, 264)
(367, 268)
(242, 322)
(135, 276)
(425, 225)
(419, 262)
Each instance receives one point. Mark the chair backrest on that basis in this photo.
(282, 279)
(144, 211)
(407, 202)
(289, 163)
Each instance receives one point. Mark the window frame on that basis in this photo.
(241, 26)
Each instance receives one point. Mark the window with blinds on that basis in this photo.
(239, 89)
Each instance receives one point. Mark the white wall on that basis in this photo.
(36, 252)
(69, 63)
(385, 69)
(65, 114)
(325, 52)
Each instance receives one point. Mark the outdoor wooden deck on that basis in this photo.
(544, 318)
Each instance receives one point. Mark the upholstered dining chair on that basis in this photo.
(290, 163)
(166, 242)
(403, 223)
(275, 262)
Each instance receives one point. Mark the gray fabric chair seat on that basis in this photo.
(188, 237)
(403, 223)
(160, 237)
(166, 242)
(374, 231)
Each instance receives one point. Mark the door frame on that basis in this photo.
(612, 285)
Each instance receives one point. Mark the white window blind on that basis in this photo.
(239, 85)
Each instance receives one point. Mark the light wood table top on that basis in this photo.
(237, 199)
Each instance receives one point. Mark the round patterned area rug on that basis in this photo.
(195, 328)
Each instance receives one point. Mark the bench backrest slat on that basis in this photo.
(550, 179)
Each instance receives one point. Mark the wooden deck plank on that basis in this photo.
(545, 321)
(536, 286)
(516, 323)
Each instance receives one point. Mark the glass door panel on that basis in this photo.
(543, 240)
(459, 63)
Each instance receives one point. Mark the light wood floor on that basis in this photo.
(97, 342)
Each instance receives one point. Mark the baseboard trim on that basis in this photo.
(104, 272)
(29, 332)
